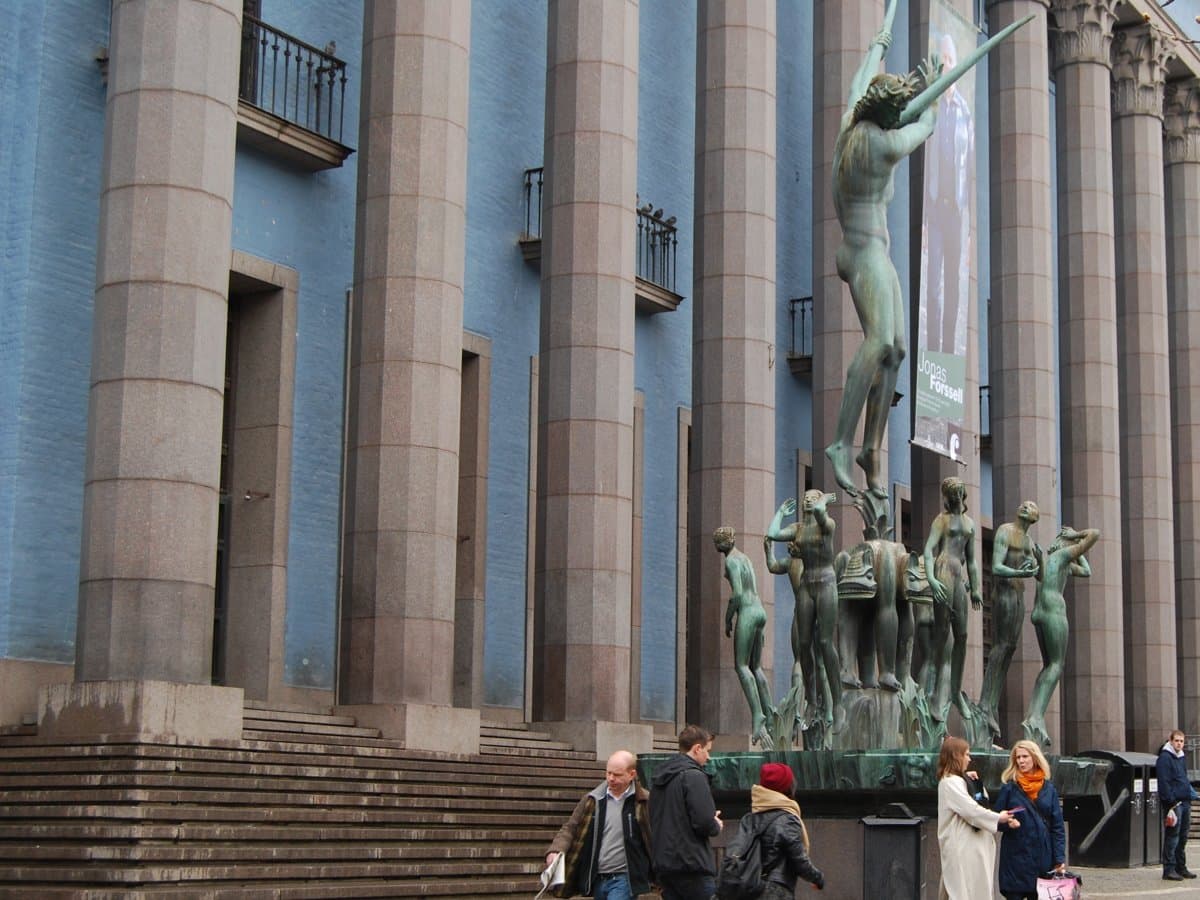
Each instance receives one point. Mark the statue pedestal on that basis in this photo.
(868, 717)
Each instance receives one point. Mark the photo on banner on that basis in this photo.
(947, 247)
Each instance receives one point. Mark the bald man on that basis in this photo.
(607, 838)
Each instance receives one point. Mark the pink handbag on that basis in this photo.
(1059, 887)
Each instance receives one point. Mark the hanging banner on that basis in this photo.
(947, 248)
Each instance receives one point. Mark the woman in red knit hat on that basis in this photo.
(784, 837)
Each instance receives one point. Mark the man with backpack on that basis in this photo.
(770, 850)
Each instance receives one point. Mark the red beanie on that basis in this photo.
(777, 777)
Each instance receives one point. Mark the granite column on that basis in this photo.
(1093, 715)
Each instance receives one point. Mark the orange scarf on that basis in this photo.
(1032, 783)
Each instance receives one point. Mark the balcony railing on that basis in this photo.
(292, 80)
(657, 247)
(800, 316)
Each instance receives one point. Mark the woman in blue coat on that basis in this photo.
(1040, 844)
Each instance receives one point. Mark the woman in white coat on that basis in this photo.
(966, 831)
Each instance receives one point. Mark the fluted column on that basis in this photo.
(586, 393)
(1094, 678)
(842, 34)
(1151, 684)
(1023, 386)
(158, 353)
(405, 378)
(732, 472)
(1182, 190)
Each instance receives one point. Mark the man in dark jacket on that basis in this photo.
(607, 838)
(682, 819)
(1175, 792)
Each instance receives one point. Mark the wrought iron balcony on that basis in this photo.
(292, 96)
(657, 247)
(800, 314)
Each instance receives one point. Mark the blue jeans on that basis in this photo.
(688, 887)
(1174, 851)
(612, 888)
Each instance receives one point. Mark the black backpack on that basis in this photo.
(741, 873)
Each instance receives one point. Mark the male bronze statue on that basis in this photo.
(1065, 557)
(887, 117)
(953, 572)
(814, 584)
(746, 611)
(1013, 560)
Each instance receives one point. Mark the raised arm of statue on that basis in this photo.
(776, 531)
(820, 511)
(942, 82)
(875, 54)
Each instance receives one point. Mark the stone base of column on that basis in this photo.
(603, 738)
(420, 726)
(151, 711)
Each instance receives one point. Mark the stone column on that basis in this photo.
(158, 365)
(1094, 683)
(1151, 687)
(1021, 357)
(158, 354)
(842, 34)
(1182, 188)
(586, 394)
(398, 595)
(732, 477)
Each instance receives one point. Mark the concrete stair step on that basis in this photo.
(487, 744)
(157, 811)
(153, 773)
(307, 729)
(509, 750)
(134, 875)
(271, 799)
(256, 832)
(314, 851)
(318, 739)
(437, 889)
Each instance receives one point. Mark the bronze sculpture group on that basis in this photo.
(859, 613)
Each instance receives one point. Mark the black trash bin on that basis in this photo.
(1115, 829)
(892, 854)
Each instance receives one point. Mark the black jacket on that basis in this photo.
(784, 858)
(682, 818)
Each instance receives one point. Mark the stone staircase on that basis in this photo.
(305, 805)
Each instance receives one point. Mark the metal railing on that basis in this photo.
(800, 312)
(657, 247)
(657, 237)
(293, 80)
(985, 411)
(533, 203)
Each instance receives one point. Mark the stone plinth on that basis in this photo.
(604, 738)
(421, 726)
(159, 711)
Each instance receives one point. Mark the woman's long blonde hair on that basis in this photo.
(1034, 750)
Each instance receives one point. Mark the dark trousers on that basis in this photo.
(1174, 849)
(687, 887)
